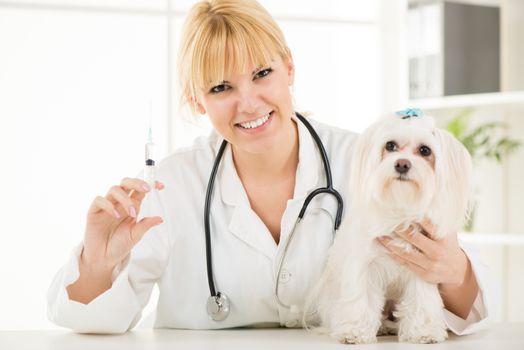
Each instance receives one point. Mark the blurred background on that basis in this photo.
(80, 78)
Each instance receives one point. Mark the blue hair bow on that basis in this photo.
(409, 113)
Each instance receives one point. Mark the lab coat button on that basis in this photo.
(291, 323)
(285, 276)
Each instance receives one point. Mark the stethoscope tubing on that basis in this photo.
(207, 210)
(221, 299)
(329, 179)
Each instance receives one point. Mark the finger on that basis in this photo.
(137, 197)
(102, 204)
(418, 240)
(428, 227)
(135, 184)
(413, 257)
(409, 265)
(117, 195)
(141, 227)
(384, 240)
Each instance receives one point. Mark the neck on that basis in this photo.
(277, 163)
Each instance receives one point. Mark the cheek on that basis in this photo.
(278, 92)
(220, 111)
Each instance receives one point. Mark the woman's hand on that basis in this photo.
(111, 229)
(440, 261)
(111, 232)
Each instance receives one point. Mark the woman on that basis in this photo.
(234, 66)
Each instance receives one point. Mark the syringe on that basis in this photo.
(151, 205)
(149, 170)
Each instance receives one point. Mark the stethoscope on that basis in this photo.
(218, 302)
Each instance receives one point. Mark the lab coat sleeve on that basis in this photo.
(113, 311)
(119, 308)
(485, 305)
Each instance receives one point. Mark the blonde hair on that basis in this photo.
(225, 36)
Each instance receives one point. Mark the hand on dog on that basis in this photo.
(439, 261)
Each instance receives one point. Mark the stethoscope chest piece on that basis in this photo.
(218, 307)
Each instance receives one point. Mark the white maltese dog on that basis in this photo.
(404, 171)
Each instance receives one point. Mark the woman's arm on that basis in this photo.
(459, 297)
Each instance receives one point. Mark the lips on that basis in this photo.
(254, 124)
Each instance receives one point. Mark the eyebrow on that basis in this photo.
(257, 70)
(252, 73)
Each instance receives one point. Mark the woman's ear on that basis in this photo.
(290, 68)
(198, 107)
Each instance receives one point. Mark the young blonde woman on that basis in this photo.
(235, 67)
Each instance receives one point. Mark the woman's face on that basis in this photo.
(252, 110)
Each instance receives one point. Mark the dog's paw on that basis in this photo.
(355, 336)
(418, 337)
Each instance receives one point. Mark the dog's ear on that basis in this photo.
(453, 170)
(365, 159)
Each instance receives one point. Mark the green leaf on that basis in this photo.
(482, 141)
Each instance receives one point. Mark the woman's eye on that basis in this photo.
(218, 88)
(391, 146)
(425, 151)
(263, 73)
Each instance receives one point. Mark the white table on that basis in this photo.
(497, 337)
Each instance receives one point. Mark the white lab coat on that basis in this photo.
(245, 256)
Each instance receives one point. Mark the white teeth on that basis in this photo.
(255, 123)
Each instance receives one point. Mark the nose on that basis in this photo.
(402, 166)
(247, 100)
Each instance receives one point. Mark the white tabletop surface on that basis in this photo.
(496, 337)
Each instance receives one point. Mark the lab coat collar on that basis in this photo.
(309, 166)
(244, 222)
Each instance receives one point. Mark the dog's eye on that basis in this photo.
(425, 151)
(391, 146)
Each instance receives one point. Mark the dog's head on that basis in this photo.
(407, 166)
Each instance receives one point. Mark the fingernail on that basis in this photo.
(132, 212)
(146, 187)
(116, 213)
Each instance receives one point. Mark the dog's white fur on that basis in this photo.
(359, 277)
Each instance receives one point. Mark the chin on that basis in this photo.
(403, 171)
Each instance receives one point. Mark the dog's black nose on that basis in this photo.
(402, 166)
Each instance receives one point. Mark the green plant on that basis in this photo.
(483, 141)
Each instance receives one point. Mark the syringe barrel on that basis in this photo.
(150, 154)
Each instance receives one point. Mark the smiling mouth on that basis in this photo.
(253, 124)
